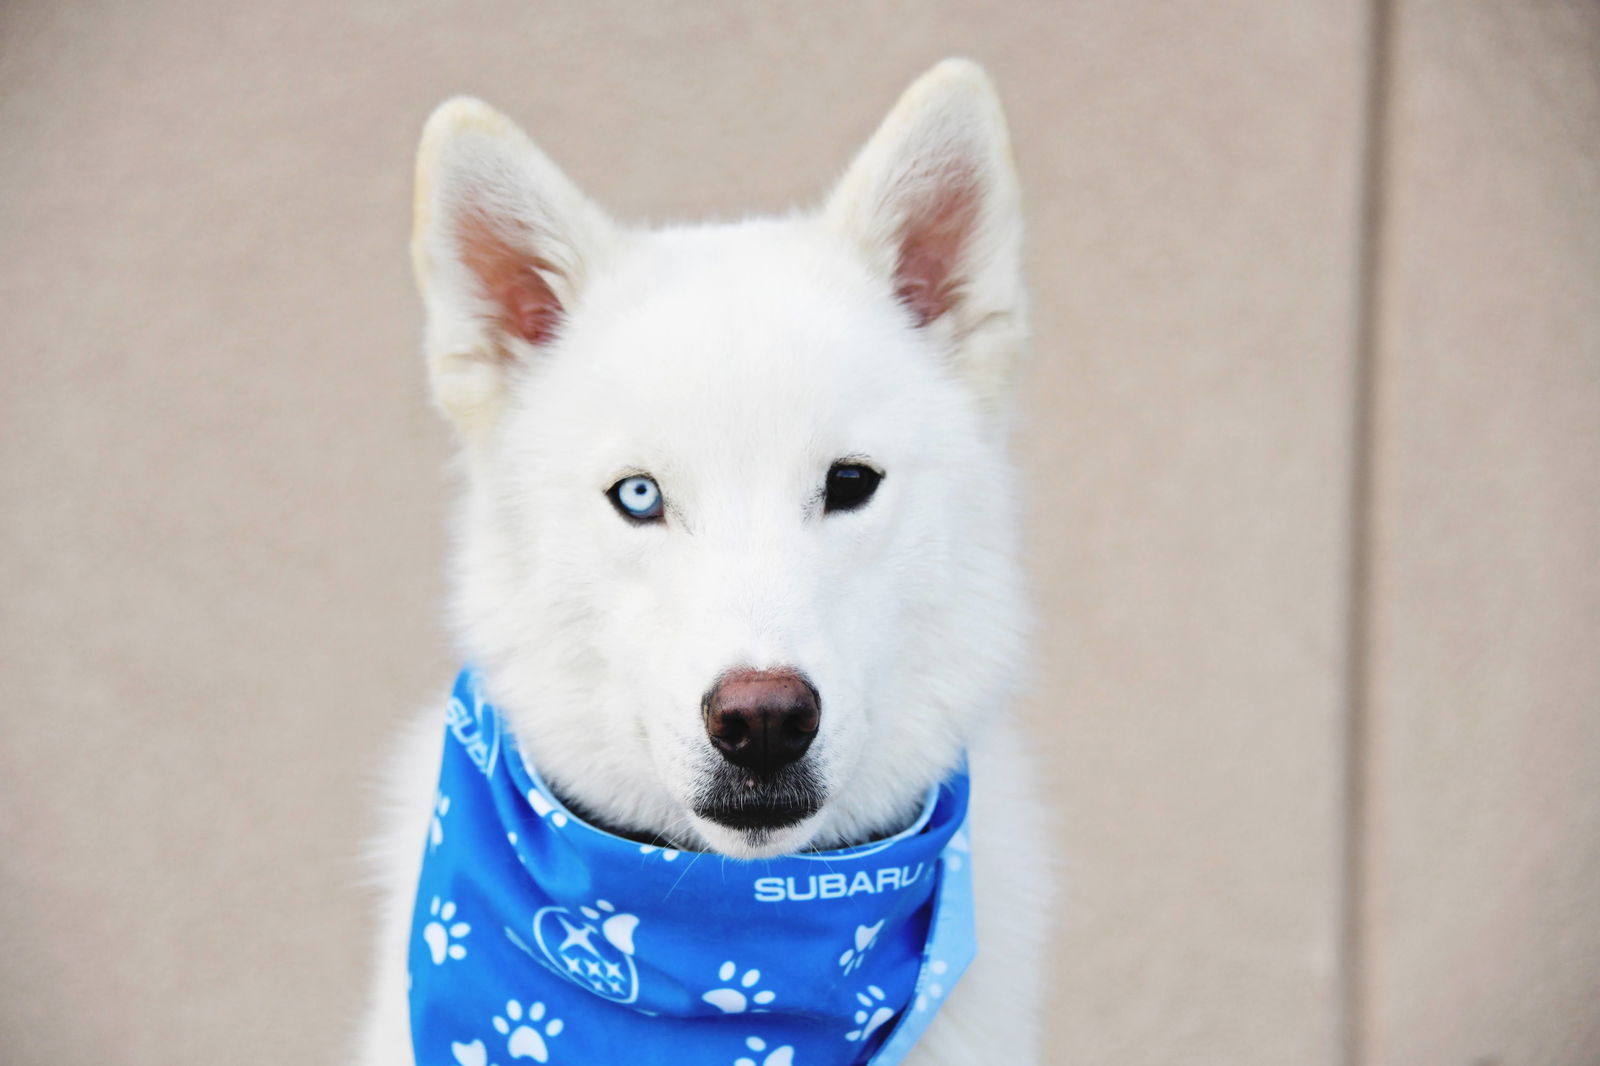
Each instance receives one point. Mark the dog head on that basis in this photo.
(736, 554)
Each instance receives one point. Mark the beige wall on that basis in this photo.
(1314, 472)
(1480, 846)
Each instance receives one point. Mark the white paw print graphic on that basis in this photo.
(872, 1014)
(545, 809)
(473, 1054)
(524, 1033)
(441, 807)
(783, 1056)
(732, 1000)
(853, 957)
(935, 989)
(668, 854)
(442, 932)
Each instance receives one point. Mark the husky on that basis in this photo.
(741, 488)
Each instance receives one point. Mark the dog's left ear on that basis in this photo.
(932, 203)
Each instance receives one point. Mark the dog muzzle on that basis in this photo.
(538, 936)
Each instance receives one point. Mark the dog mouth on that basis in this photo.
(757, 816)
(739, 800)
(754, 808)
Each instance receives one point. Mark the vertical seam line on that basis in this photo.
(1355, 999)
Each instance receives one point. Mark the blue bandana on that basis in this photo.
(537, 936)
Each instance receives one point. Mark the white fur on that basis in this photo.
(734, 364)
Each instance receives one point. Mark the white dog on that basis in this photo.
(738, 511)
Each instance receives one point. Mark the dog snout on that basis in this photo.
(762, 720)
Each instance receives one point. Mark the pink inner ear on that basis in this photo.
(526, 306)
(932, 242)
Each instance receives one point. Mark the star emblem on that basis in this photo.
(578, 935)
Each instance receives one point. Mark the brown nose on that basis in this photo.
(762, 720)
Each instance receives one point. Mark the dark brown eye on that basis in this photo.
(850, 485)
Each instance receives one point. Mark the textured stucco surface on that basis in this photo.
(224, 492)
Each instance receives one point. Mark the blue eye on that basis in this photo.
(637, 498)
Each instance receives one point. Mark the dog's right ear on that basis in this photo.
(502, 244)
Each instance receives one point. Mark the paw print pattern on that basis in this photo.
(616, 928)
(545, 809)
(872, 1014)
(473, 1054)
(526, 1032)
(854, 956)
(667, 854)
(783, 1056)
(732, 1000)
(441, 807)
(935, 989)
(442, 932)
